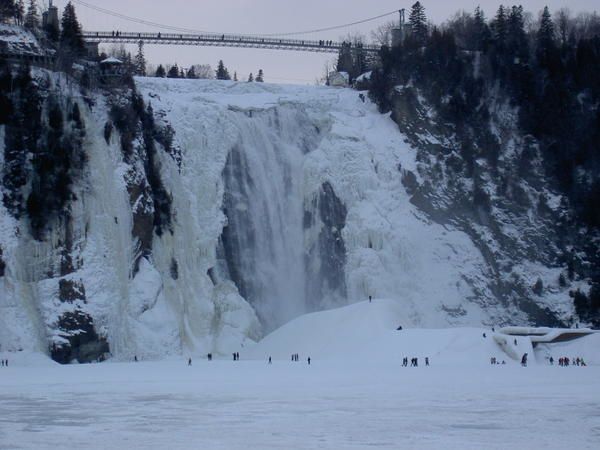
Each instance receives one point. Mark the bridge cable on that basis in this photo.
(189, 30)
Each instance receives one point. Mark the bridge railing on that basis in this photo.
(222, 38)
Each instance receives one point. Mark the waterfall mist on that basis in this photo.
(264, 205)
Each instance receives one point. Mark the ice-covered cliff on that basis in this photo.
(224, 210)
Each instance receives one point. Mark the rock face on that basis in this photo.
(325, 217)
(207, 213)
(509, 211)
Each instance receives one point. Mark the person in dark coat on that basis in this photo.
(524, 360)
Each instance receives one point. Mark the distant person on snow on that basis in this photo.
(189, 361)
(370, 298)
(524, 360)
(427, 361)
(270, 360)
(484, 336)
(309, 360)
(551, 361)
(135, 358)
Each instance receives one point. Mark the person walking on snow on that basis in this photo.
(270, 360)
(524, 360)
(189, 361)
(309, 360)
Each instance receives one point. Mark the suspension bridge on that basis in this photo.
(225, 40)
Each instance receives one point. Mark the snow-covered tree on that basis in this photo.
(250, 78)
(235, 77)
(140, 61)
(260, 77)
(191, 73)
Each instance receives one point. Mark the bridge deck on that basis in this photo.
(224, 40)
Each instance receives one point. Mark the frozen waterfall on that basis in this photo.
(264, 204)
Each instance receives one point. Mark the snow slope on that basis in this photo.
(369, 332)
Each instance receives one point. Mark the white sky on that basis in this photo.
(273, 16)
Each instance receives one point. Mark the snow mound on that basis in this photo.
(369, 332)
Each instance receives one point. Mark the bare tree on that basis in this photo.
(382, 35)
(204, 71)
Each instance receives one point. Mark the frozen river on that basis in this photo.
(328, 405)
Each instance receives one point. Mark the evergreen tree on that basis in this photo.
(19, 12)
(7, 10)
(140, 61)
(160, 72)
(71, 38)
(260, 78)
(250, 78)
(235, 77)
(32, 19)
(173, 72)
(418, 23)
(481, 31)
(517, 44)
(191, 73)
(500, 28)
(222, 72)
(546, 43)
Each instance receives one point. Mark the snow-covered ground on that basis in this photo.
(355, 394)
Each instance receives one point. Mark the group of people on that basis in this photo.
(236, 356)
(325, 43)
(295, 358)
(414, 362)
(494, 361)
(565, 362)
(5, 363)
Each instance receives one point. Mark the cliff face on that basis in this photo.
(195, 215)
(507, 205)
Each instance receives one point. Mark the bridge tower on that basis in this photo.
(398, 33)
